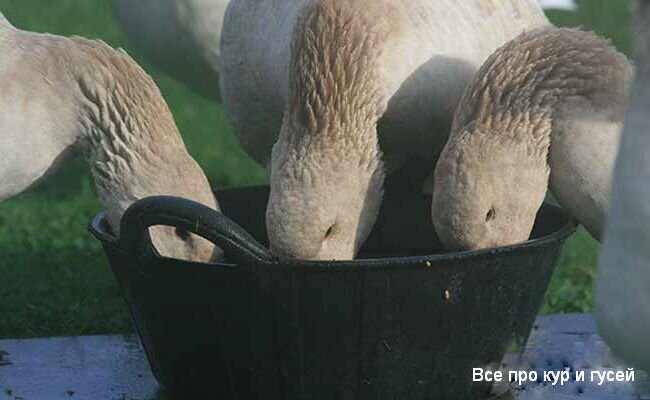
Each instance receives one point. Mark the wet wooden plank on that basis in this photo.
(115, 368)
(571, 341)
(78, 368)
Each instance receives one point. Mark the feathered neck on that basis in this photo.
(334, 76)
(526, 81)
(132, 144)
(112, 111)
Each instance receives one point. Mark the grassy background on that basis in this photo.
(54, 279)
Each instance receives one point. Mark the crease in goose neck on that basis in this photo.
(564, 93)
(335, 83)
(126, 130)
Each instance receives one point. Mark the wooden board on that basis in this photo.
(115, 368)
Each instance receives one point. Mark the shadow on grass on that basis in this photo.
(67, 181)
(58, 293)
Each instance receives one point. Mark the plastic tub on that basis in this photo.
(405, 321)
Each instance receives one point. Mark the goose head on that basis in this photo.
(130, 174)
(326, 168)
(486, 191)
(186, 180)
(325, 196)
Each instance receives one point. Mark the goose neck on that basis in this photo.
(335, 66)
(533, 80)
(127, 131)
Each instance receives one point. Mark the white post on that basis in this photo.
(569, 5)
(622, 289)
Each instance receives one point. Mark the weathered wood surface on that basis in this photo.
(570, 341)
(115, 368)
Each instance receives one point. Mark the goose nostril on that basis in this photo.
(329, 232)
(490, 215)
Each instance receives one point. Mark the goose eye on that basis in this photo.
(182, 234)
(490, 215)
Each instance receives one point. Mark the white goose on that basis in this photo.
(61, 95)
(622, 289)
(179, 36)
(182, 36)
(550, 101)
(325, 83)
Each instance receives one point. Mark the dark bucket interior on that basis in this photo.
(409, 325)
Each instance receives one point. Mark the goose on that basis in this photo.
(568, 5)
(331, 95)
(64, 95)
(179, 36)
(544, 110)
(182, 36)
(622, 286)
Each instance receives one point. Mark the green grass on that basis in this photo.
(54, 279)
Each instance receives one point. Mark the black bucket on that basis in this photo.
(401, 322)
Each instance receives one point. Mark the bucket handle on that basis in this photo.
(194, 217)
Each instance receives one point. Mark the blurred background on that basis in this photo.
(54, 279)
